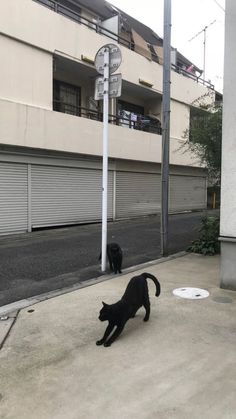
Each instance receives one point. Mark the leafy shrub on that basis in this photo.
(207, 243)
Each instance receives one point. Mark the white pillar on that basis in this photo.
(228, 179)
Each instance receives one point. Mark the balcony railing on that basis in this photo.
(142, 122)
(71, 14)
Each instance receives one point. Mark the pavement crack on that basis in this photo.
(9, 331)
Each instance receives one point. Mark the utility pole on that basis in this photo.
(165, 128)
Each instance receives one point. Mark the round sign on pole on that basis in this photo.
(114, 58)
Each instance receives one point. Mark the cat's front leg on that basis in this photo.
(106, 334)
(115, 335)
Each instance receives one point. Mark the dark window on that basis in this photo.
(66, 98)
(130, 107)
(69, 9)
(48, 3)
(65, 7)
(129, 114)
(132, 116)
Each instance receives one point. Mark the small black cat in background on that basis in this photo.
(135, 296)
(114, 254)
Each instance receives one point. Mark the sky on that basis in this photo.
(189, 17)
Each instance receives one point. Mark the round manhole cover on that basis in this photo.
(191, 293)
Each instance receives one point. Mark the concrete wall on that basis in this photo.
(179, 119)
(228, 181)
(38, 128)
(25, 74)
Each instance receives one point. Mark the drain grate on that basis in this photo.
(191, 293)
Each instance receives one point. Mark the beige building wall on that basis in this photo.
(25, 74)
(179, 120)
(38, 128)
(25, 20)
(33, 33)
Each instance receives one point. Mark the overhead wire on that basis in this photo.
(219, 5)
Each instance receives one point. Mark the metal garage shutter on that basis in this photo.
(64, 195)
(13, 197)
(187, 193)
(137, 194)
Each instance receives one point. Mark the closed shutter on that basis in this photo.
(13, 197)
(65, 195)
(187, 192)
(137, 194)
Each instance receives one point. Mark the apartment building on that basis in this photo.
(51, 126)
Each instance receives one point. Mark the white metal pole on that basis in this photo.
(105, 157)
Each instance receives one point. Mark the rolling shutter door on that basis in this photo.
(137, 194)
(65, 195)
(13, 198)
(187, 193)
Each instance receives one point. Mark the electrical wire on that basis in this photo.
(219, 5)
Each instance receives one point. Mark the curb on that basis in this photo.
(12, 310)
(18, 305)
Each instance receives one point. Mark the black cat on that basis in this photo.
(135, 296)
(115, 255)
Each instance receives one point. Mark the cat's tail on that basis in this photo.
(155, 280)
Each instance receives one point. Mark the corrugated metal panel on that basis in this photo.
(13, 197)
(67, 195)
(137, 194)
(187, 192)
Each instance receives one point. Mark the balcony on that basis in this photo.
(139, 122)
(96, 26)
(138, 108)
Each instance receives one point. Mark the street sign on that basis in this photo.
(115, 83)
(114, 58)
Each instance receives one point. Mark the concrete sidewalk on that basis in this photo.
(181, 364)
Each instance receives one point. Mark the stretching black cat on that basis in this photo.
(135, 296)
(114, 254)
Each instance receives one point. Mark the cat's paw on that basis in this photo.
(99, 342)
(146, 319)
(106, 344)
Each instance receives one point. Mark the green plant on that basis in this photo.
(207, 243)
(203, 138)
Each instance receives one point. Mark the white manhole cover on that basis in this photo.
(191, 293)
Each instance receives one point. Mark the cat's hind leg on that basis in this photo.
(146, 305)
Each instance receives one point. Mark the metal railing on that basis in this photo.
(71, 14)
(192, 76)
(143, 123)
(91, 24)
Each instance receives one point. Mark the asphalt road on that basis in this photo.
(42, 261)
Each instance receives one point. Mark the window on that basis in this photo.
(129, 114)
(66, 98)
(69, 9)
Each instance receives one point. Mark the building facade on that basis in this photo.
(228, 177)
(51, 126)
